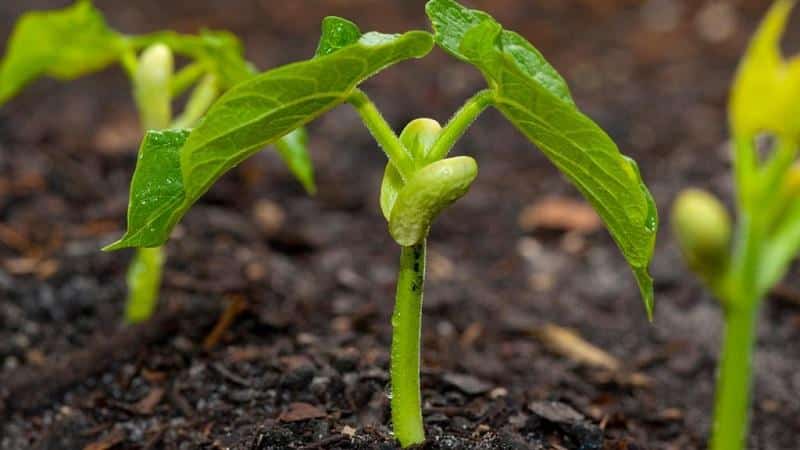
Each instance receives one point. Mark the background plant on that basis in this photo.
(176, 167)
(740, 268)
(76, 41)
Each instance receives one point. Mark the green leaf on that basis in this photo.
(452, 22)
(530, 94)
(337, 33)
(252, 115)
(432, 189)
(156, 189)
(293, 149)
(63, 44)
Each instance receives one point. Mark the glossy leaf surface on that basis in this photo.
(531, 94)
(254, 114)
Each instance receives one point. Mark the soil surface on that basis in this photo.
(514, 321)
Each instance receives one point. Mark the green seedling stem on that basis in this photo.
(76, 41)
(152, 78)
(420, 179)
(740, 269)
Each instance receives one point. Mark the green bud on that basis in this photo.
(431, 189)
(703, 229)
(152, 87)
(417, 137)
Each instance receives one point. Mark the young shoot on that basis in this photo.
(76, 41)
(740, 268)
(420, 179)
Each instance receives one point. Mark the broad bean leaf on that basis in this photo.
(63, 44)
(531, 94)
(157, 186)
(254, 114)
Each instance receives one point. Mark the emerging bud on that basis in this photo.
(152, 87)
(431, 189)
(703, 229)
(418, 137)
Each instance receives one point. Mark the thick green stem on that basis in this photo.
(399, 156)
(406, 327)
(144, 281)
(459, 124)
(735, 372)
(734, 380)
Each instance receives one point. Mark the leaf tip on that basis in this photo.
(645, 282)
(114, 246)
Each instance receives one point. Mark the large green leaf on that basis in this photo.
(531, 94)
(64, 44)
(252, 115)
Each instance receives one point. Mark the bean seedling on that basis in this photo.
(740, 268)
(76, 41)
(176, 167)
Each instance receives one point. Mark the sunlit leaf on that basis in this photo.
(63, 44)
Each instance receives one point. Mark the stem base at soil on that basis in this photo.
(406, 333)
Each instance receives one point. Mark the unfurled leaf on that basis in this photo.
(63, 44)
(293, 150)
(254, 114)
(156, 188)
(451, 21)
(531, 94)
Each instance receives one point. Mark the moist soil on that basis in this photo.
(304, 363)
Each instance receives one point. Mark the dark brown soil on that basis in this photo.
(305, 365)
